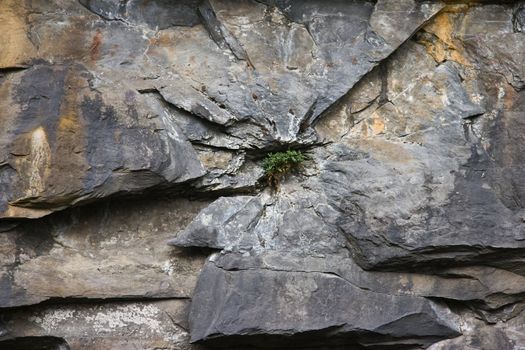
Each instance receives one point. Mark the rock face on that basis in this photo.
(134, 208)
(105, 251)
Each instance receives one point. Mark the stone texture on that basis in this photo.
(335, 312)
(83, 99)
(458, 176)
(132, 124)
(113, 250)
(117, 325)
(412, 183)
(66, 145)
(502, 333)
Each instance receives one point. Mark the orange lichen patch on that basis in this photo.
(15, 212)
(96, 45)
(511, 98)
(162, 46)
(15, 47)
(68, 123)
(162, 39)
(385, 150)
(444, 42)
(377, 126)
(216, 159)
(70, 165)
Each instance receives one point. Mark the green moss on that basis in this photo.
(277, 165)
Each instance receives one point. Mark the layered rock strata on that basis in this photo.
(134, 209)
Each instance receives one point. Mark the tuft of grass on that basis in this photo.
(279, 164)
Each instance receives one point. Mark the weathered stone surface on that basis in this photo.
(140, 145)
(111, 250)
(236, 303)
(487, 288)
(268, 244)
(118, 325)
(519, 18)
(156, 15)
(35, 343)
(67, 145)
(504, 333)
(414, 181)
(471, 201)
(222, 224)
(404, 229)
(16, 46)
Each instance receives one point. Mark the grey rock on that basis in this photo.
(479, 335)
(391, 19)
(93, 326)
(471, 190)
(519, 18)
(324, 308)
(219, 33)
(408, 185)
(157, 15)
(221, 224)
(403, 230)
(496, 46)
(487, 288)
(293, 222)
(106, 147)
(114, 250)
(246, 104)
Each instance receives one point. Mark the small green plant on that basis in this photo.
(278, 164)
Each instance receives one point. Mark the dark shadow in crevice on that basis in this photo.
(327, 339)
(34, 343)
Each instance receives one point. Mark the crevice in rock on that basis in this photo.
(383, 94)
(321, 272)
(307, 120)
(35, 343)
(433, 258)
(336, 337)
(253, 152)
(72, 300)
(220, 34)
(4, 71)
(518, 20)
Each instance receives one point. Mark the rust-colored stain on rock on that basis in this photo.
(96, 44)
(15, 47)
(447, 44)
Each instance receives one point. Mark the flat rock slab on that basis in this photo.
(92, 326)
(115, 250)
(324, 308)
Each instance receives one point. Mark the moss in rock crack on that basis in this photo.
(277, 165)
